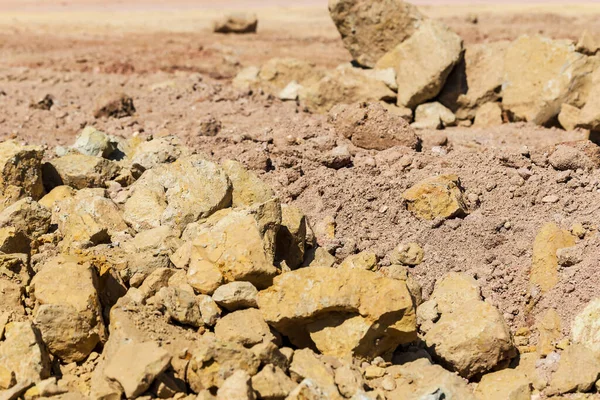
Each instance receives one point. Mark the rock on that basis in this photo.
(114, 105)
(589, 117)
(344, 86)
(236, 295)
(349, 380)
(540, 75)
(45, 103)
(471, 339)
(436, 197)
(88, 219)
(23, 352)
(278, 74)
(433, 116)
(364, 260)
(372, 126)
(587, 44)
(209, 310)
(421, 380)
(135, 366)
(291, 236)
(578, 370)
(489, 114)
(241, 248)
(322, 258)
(549, 327)
(269, 353)
(21, 172)
(247, 78)
(565, 157)
(403, 112)
(306, 366)
(307, 390)
(339, 157)
(177, 194)
(246, 327)
(236, 23)
(27, 217)
(387, 76)
(7, 378)
(209, 126)
(586, 326)
(79, 171)
(248, 189)
(341, 311)
(408, 254)
(271, 383)
(369, 29)
(544, 267)
(290, 92)
(57, 194)
(423, 62)
(475, 81)
(163, 150)
(92, 142)
(70, 315)
(181, 305)
(213, 361)
(16, 391)
(507, 384)
(569, 116)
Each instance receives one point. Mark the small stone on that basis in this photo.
(569, 158)
(322, 258)
(114, 105)
(433, 116)
(79, 171)
(549, 328)
(290, 92)
(236, 23)
(92, 142)
(246, 327)
(550, 199)
(365, 260)
(407, 254)
(306, 366)
(236, 295)
(271, 383)
(372, 372)
(181, 306)
(338, 157)
(569, 116)
(209, 310)
(586, 326)
(23, 353)
(436, 197)
(291, 237)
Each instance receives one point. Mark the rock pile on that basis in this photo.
(420, 69)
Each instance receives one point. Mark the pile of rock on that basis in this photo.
(420, 70)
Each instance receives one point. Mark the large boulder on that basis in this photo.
(371, 28)
(21, 176)
(177, 194)
(344, 85)
(541, 74)
(423, 62)
(372, 126)
(340, 311)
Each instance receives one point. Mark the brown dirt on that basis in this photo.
(179, 74)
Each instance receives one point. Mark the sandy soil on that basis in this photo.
(179, 73)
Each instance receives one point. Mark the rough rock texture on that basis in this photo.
(236, 23)
(578, 370)
(291, 237)
(369, 29)
(544, 267)
(436, 197)
(586, 326)
(342, 310)
(507, 384)
(79, 171)
(433, 116)
(488, 115)
(21, 172)
(277, 73)
(569, 116)
(114, 105)
(372, 126)
(589, 118)
(23, 352)
(423, 62)
(246, 327)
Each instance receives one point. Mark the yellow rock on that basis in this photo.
(436, 197)
(544, 268)
(21, 172)
(7, 378)
(569, 116)
(57, 194)
(548, 326)
(508, 384)
(366, 260)
(578, 370)
(578, 230)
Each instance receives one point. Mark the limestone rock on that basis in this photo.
(271, 383)
(566, 157)
(322, 258)
(177, 194)
(433, 116)
(540, 75)
(471, 339)
(93, 142)
(344, 86)
(277, 73)
(549, 327)
(372, 126)
(238, 386)
(589, 117)
(162, 150)
(27, 217)
(79, 171)
(209, 310)
(213, 361)
(587, 44)
(349, 380)
(246, 327)
(476, 80)
(369, 29)
(236, 295)
(248, 189)
(578, 370)
(71, 323)
(114, 105)
(57, 194)
(341, 311)
(507, 384)
(544, 267)
(364, 260)
(181, 306)
(423, 62)
(436, 197)
(489, 114)
(306, 365)
(247, 78)
(291, 236)
(586, 326)
(408, 254)
(21, 172)
(236, 23)
(24, 353)
(136, 365)
(290, 92)
(569, 116)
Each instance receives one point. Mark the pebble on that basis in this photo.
(550, 199)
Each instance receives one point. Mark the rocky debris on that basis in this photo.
(307, 367)
(344, 85)
(436, 197)
(475, 81)
(589, 117)
(423, 62)
(569, 117)
(209, 126)
(23, 353)
(586, 326)
(21, 172)
(372, 126)
(181, 306)
(549, 327)
(364, 260)
(544, 266)
(177, 194)
(236, 23)
(541, 74)
(507, 384)
(92, 142)
(114, 105)
(248, 189)
(341, 311)
(488, 115)
(337, 158)
(237, 386)
(236, 295)
(407, 254)
(291, 237)
(45, 103)
(578, 370)
(246, 327)
(290, 92)
(79, 171)
(433, 116)
(587, 44)
(271, 383)
(163, 150)
(369, 29)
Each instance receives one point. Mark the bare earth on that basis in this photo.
(178, 73)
